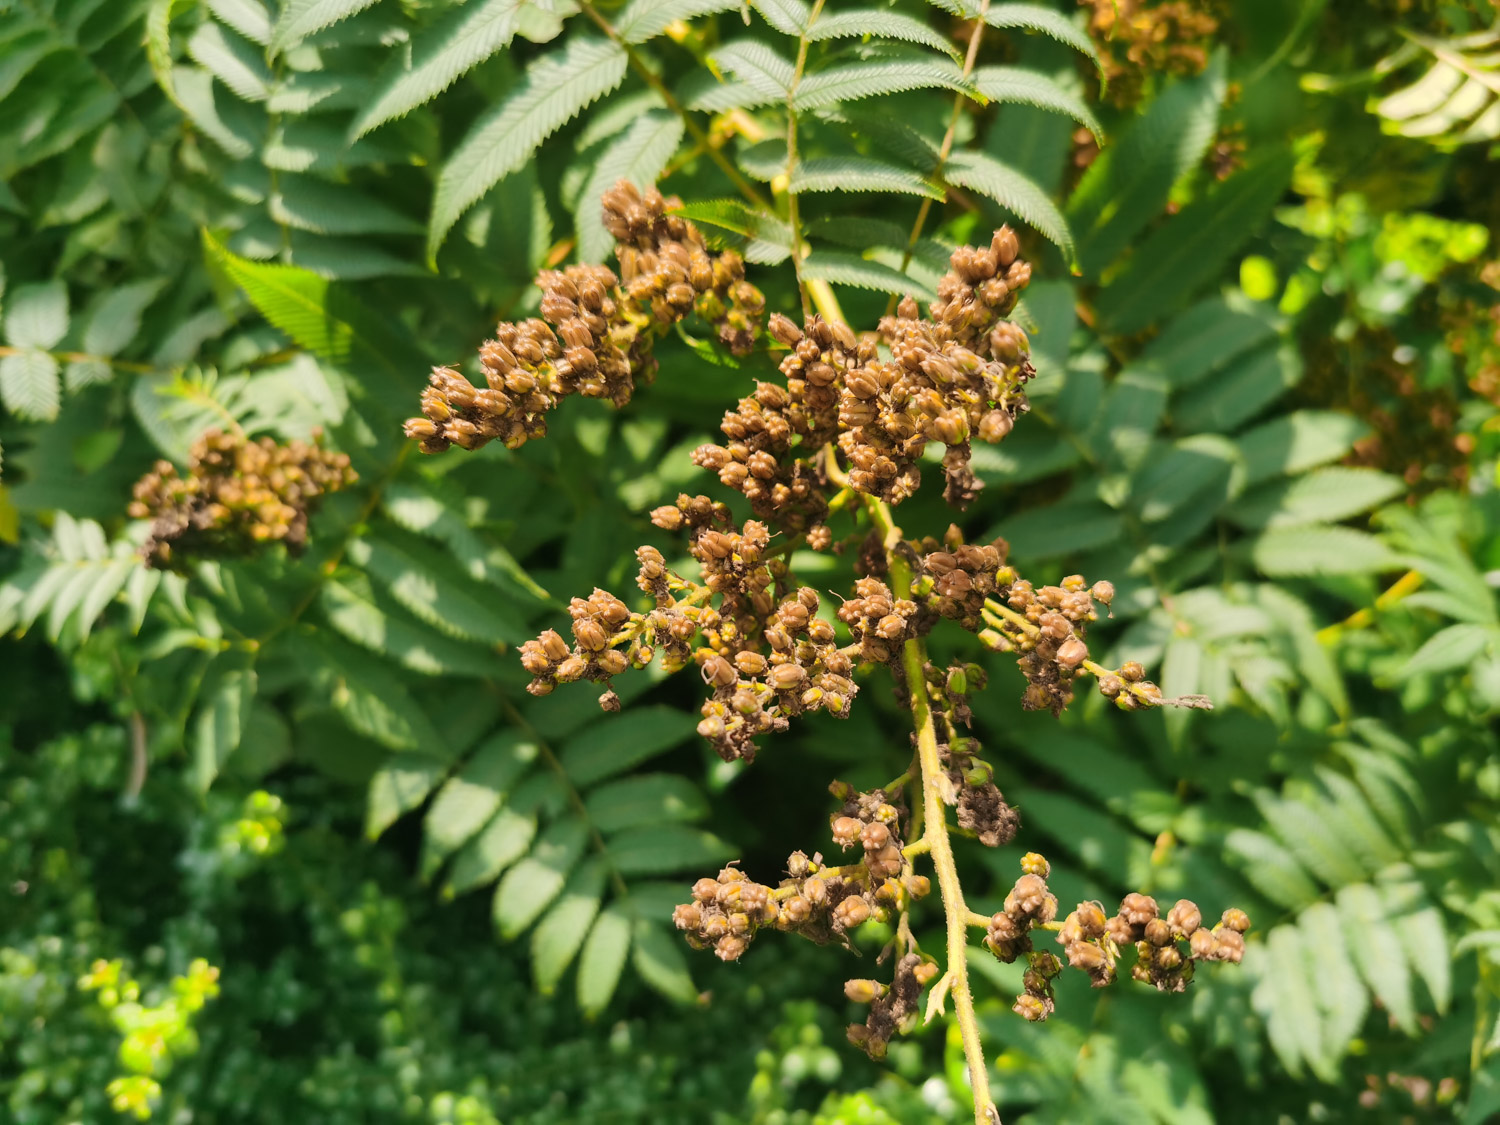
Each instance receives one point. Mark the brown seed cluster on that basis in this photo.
(1167, 948)
(820, 902)
(1137, 39)
(597, 331)
(964, 574)
(597, 622)
(878, 621)
(237, 495)
(893, 1007)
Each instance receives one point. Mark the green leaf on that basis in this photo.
(877, 78)
(1377, 951)
(1270, 868)
(399, 786)
(560, 933)
(615, 745)
(301, 18)
(1295, 442)
(555, 88)
(194, 90)
(663, 849)
(657, 798)
(1306, 831)
(362, 618)
(440, 55)
(1285, 999)
(1046, 21)
(221, 721)
(416, 509)
(850, 269)
(981, 172)
(603, 958)
(529, 887)
(873, 22)
(657, 956)
(1315, 549)
(433, 588)
(787, 16)
(1457, 646)
(859, 173)
(1014, 84)
(1324, 495)
(637, 155)
(116, 319)
(369, 696)
(469, 800)
(1419, 927)
(36, 316)
(646, 19)
(313, 204)
(503, 840)
(248, 17)
(1190, 249)
(1129, 184)
(1203, 340)
(29, 384)
(1061, 529)
(1341, 996)
(231, 60)
(758, 66)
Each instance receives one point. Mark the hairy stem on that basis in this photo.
(957, 913)
(946, 148)
(637, 64)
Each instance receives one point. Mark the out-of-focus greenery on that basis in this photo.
(1265, 408)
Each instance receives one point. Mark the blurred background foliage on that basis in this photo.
(1266, 321)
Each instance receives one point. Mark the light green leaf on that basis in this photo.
(638, 155)
(555, 88)
(440, 55)
(469, 800)
(1014, 84)
(787, 16)
(1203, 340)
(615, 745)
(560, 933)
(850, 269)
(194, 93)
(36, 316)
(221, 721)
(301, 18)
(757, 65)
(1046, 21)
(1306, 832)
(657, 957)
(873, 22)
(503, 841)
(1270, 868)
(231, 60)
(399, 786)
(116, 319)
(369, 696)
(1315, 549)
(1457, 646)
(646, 19)
(313, 204)
(1285, 999)
(662, 849)
(1377, 951)
(529, 887)
(1295, 442)
(1061, 529)
(631, 802)
(603, 958)
(414, 508)
(877, 78)
(248, 17)
(1342, 999)
(1324, 495)
(433, 588)
(859, 173)
(361, 617)
(1190, 249)
(1420, 930)
(981, 172)
(29, 384)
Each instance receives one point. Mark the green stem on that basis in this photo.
(793, 218)
(957, 913)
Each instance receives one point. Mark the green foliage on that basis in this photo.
(276, 216)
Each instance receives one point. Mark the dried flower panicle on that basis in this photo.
(893, 1007)
(596, 332)
(236, 496)
(1137, 39)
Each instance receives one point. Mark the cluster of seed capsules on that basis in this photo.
(819, 901)
(959, 374)
(236, 496)
(1167, 948)
(1137, 39)
(596, 332)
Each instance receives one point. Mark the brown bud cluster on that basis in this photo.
(1052, 653)
(237, 495)
(820, 902)
(1137, 39)
(1028, 904)
(963, 575)
(893, 1007)
(596, 332)
(878, 621)
(592, 656)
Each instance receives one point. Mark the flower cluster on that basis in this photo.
(236, 496)
(893, 1007)
(1167, 948)
(821, 902)
(597, 330)
(1137, 39)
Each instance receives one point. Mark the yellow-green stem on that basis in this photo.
(956, 912)
(793, 219)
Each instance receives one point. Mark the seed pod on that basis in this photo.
(786, 677)
(864, 991)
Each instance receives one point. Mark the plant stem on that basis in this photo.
(695, 130)
(947, 146)
(957, 913)
(793, 219)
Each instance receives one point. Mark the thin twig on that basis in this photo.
(792, 216)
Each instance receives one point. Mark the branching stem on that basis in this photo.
(957, 913)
